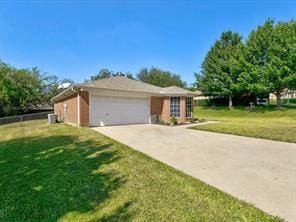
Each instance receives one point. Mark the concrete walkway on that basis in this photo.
(261, 172)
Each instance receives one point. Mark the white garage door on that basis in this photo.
(104, 111)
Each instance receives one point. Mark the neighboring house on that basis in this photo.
(199, 96)
(119, 100)
(198, 93)
(42, 107)
(287, 94)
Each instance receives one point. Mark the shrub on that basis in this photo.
(202, 102)
(174, 121)
(161, 122)
(241, 100)
(192, 120)
(287, 101)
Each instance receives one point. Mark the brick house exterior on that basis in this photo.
(161, 106)
(85, 104)
(68, 109)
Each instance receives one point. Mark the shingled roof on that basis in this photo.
(175, 90)
(122, 83)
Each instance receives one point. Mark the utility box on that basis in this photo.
(52, 118)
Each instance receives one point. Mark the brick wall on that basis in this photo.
(156, 104)
(58, 109)
(166, 115)
(67, 109)
(84, 108)
(71, 114)
(166, 109)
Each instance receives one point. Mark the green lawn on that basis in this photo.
(66, 173)
(267, 123)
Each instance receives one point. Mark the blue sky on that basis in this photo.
(76, 39)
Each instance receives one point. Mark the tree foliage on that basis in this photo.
(24, 89)
(281, 65)
(160, 77)
(265, 63)
(106, 73)
(268, 61)
(217, 77)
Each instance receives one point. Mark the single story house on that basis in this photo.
(119, 100)
(286, 94)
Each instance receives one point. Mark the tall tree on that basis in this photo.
(216, 77)
(281, 65)
(269, 59)
(160, 77)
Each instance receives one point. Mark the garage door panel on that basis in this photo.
(118, 111)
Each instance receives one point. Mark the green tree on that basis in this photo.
(217, 77)
(267, 62)
(127, 74)
(20, 89)
(103, 73)
(281, 65)
(66, 80)
(106, 73)
(160, 77)
(24, 89)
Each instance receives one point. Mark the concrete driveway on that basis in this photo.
(261, 172)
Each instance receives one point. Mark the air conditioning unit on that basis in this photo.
(52, 118)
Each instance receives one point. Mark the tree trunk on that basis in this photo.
(278, 99)
(230, 102)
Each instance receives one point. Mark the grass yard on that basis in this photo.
(66, 173)
(266, 122)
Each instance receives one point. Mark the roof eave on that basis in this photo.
(65, 93)
(179, 94)
(74, 88)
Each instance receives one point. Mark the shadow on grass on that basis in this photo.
(43, 179)
(120, 214)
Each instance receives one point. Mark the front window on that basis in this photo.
(188, 107)
(175, 106)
